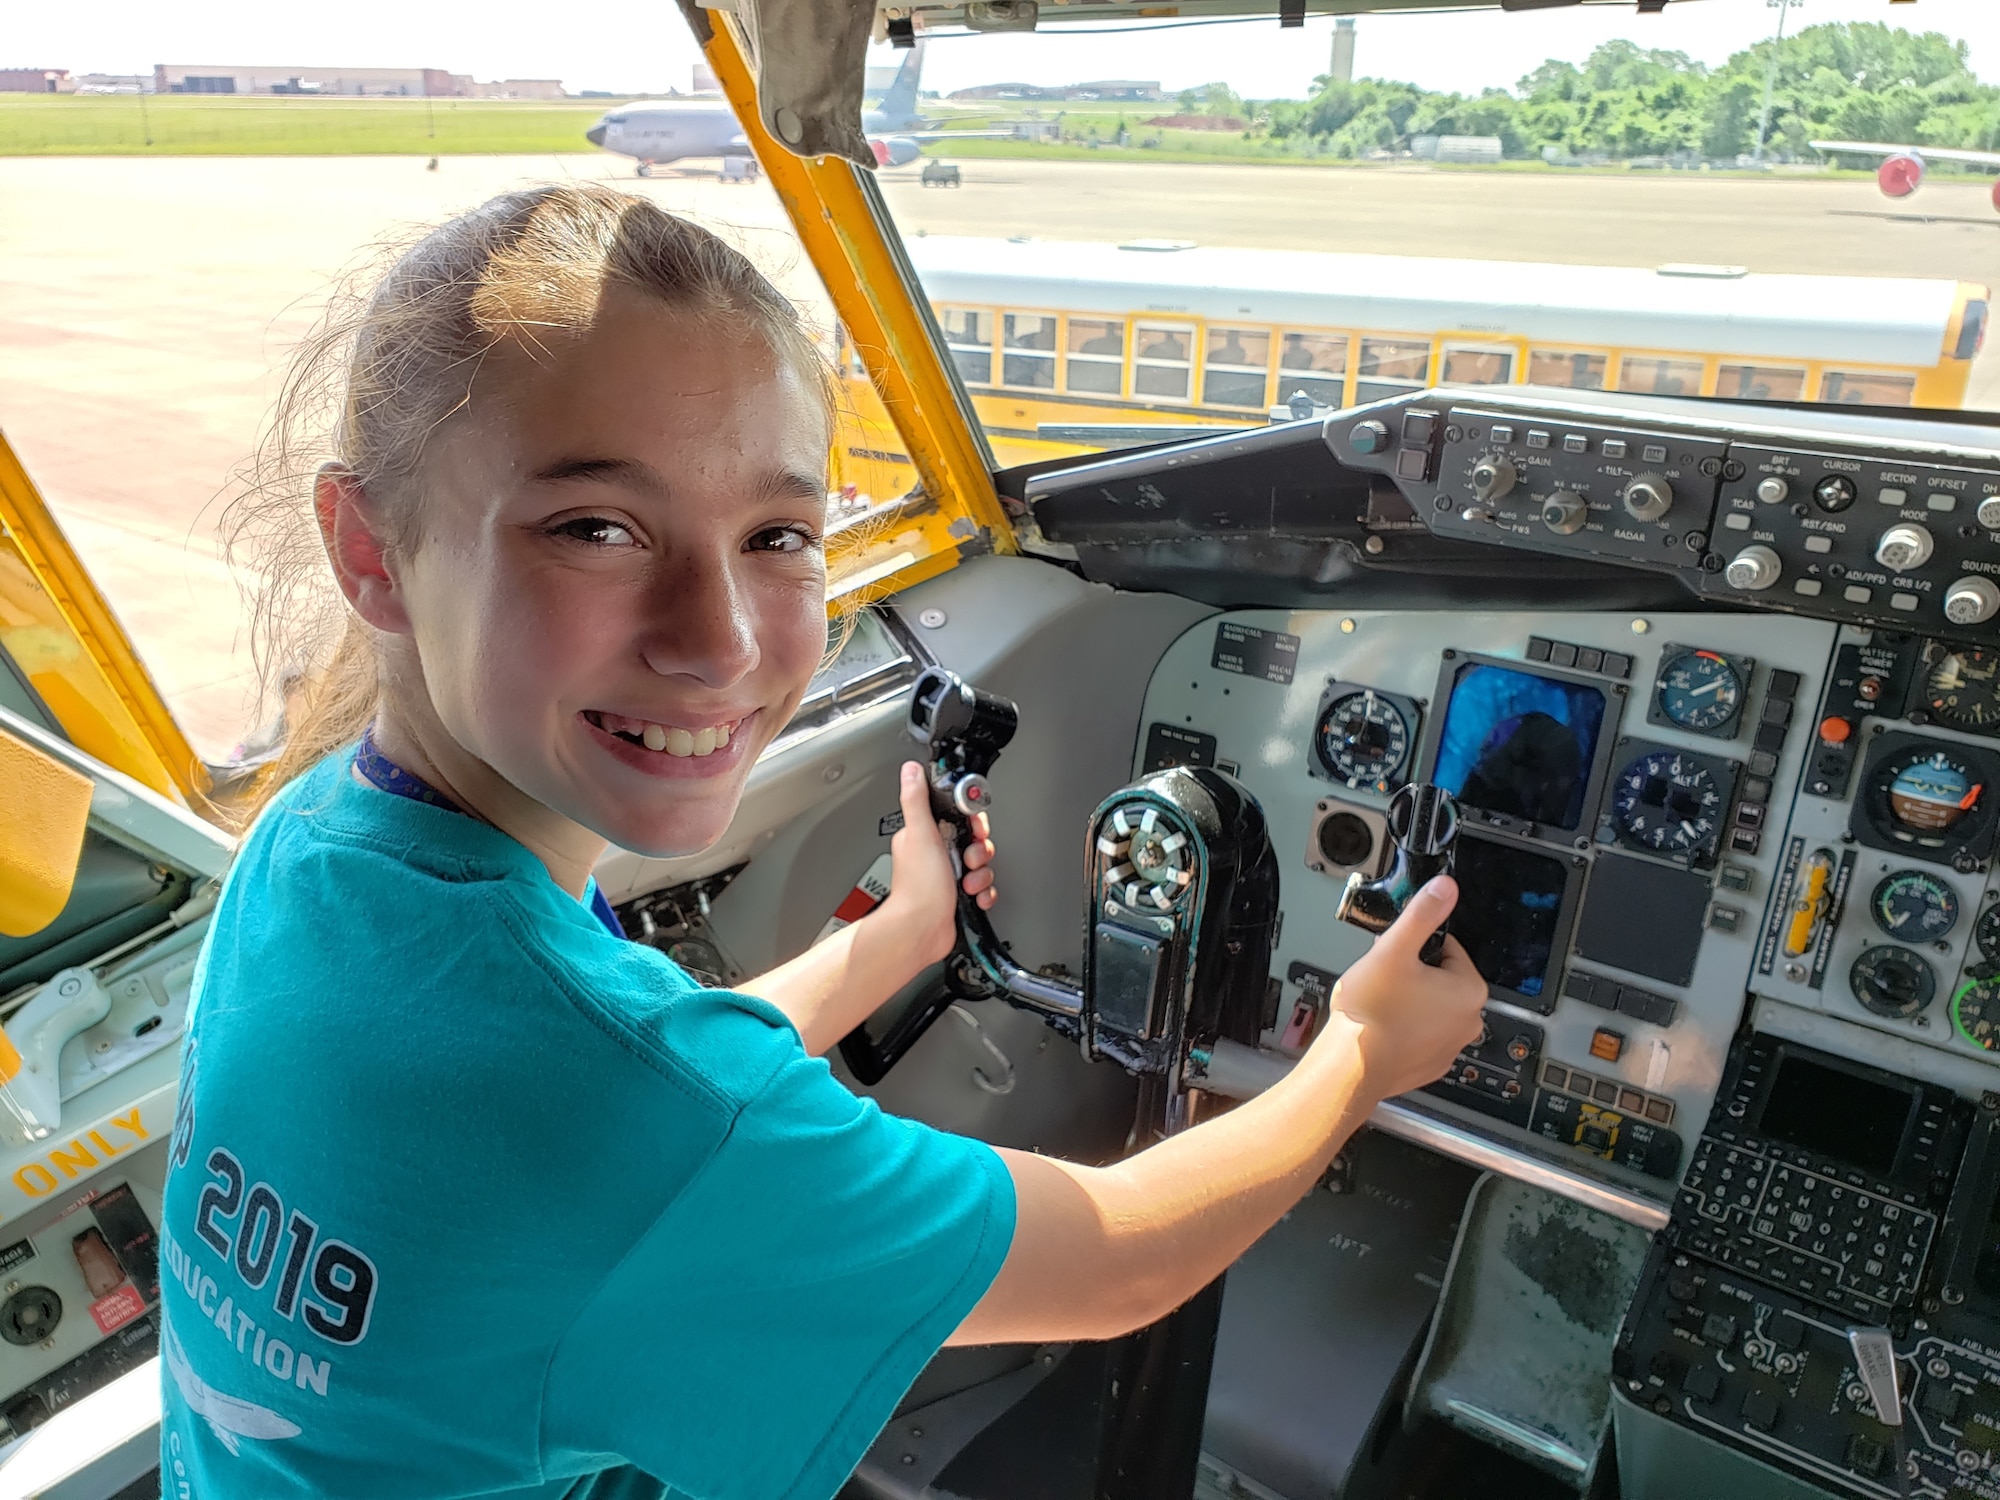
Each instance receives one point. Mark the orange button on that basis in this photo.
(1835, 730)
(1606, 1044)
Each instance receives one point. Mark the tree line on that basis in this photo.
(1856, 81)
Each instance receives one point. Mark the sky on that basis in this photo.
(634, 46)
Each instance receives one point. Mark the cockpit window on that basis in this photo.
(1587, 198)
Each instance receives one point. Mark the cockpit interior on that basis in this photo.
(1698, 698)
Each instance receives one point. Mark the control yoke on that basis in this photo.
(1181, 910)
(1423, 835)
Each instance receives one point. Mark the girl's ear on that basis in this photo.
(357, 550)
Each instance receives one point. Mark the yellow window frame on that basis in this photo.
(844, 230)
(61, 633)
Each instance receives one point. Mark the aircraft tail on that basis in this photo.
(899, 104)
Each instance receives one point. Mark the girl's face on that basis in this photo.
(617, 593)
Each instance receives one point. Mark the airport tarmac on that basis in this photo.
(147, 306)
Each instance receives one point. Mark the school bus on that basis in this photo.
(1054, 339)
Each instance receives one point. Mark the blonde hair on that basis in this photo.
(387, 367)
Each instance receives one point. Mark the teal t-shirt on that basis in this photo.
(469, 1197)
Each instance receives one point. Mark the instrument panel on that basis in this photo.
(1623, 781)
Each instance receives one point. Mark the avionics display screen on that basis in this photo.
(1519, 744)
(1510, 904)
(1829, 1110)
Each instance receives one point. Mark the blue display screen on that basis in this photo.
(1519, 745)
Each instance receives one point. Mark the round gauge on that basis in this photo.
(1364, 739)
(1148, 859)
(1986, 933)
(1892, 982)
(1963, 689)
(1975, 1013)
(1667, 802)
(1932, 792)
(1700, 690)
(1914, 906)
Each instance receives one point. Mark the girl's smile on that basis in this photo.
(661, 750)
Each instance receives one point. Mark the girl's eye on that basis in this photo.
(595, 530)
(782, 539)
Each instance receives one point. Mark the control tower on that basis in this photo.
(1342, 67)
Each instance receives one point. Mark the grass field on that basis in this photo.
(205, 125)
(208, 125)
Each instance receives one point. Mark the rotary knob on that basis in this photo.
(1971, 601)
(1648, 497)
(1564, 512)
(1989, 513)
(1772, 489)
(1753, 568)
(1370, 436)
(1903, 546)
(1493, 476)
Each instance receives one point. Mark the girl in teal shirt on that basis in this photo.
(468, 1196)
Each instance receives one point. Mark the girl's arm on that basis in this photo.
(1100, 1251)
(834, 986)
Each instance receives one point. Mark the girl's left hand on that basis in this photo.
(921, 897)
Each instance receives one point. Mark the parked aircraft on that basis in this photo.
(1902, 169)
(658, 133)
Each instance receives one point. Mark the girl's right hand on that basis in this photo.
(1413, 1019)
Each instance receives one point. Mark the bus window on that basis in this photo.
(1315, 363)
(968, 333)
(1867, 388)
(1477, 367)
(1029, 354)
(1233, 373)
(1162, 360)
(1657, 375)
(1760, 382)
(1095, 359)
(1582, 372)
(1391, 366)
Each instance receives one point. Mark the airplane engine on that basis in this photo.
(1899, 176)
(895, 150)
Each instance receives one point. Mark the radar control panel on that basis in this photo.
(1861, 519)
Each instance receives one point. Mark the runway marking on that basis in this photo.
(1876, 213)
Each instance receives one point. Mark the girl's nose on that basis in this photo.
(707, 629)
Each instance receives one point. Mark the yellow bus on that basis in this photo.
(1054, 339)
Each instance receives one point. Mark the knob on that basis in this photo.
(1772, 489)
(1834, 493)
(1492, 477)
(1564, 512)
(1648, 497)
(1989, 513)
(1903, 546)
(1971, 601)
(1753, 568)
(1370, 436)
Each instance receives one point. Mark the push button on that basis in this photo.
(1418, 427)
(1760, 1410)
(1607, 1045)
